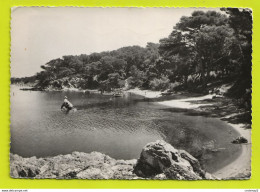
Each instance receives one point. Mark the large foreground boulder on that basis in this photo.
(160, 158)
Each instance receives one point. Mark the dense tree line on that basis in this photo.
(23, 80)
(202, 48)
(105, 70)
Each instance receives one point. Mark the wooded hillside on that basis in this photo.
(202, 49)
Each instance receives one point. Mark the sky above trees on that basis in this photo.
(42, 34)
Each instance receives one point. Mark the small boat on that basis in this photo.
(166, 93)
(118, 94)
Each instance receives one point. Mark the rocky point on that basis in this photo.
(158, 160)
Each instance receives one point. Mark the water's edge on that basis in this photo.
(232, 158)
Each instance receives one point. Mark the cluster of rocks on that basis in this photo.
(240, 140)
(158, 160)
(77, 165)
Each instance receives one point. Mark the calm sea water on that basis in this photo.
(118, 127)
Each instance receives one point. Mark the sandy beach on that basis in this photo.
(239, 168)
(146, 93)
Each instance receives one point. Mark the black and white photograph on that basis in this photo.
(130, 93)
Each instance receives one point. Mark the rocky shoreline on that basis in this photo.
(158, 160)
(215, 106)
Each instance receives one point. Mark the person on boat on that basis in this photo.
(66, 104)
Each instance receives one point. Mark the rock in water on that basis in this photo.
(240, 140)
(161, 158)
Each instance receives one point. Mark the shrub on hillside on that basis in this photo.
(160, 84)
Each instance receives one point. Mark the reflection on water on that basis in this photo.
(118, 127)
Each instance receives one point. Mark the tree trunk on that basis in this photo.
(203, 75)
